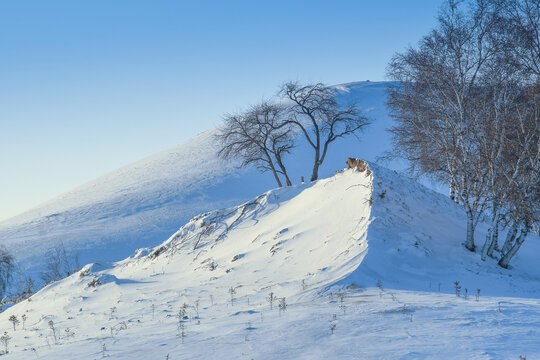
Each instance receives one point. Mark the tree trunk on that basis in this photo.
(287, 179)
(494, 236)
(510, 238)
(316, 164)
(283, 170)
(505, 260)
(487, 245)
(275, 175)
(487, 249)
(469, 243)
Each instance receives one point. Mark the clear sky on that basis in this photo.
(89, 86)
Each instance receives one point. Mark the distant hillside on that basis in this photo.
(140, 204)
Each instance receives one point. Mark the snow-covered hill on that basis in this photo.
(140, 204)
(359, 281)
(354, 280)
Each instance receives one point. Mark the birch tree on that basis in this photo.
(523, 173)
(435, 104)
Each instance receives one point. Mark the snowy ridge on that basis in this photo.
(416, 238)
(359, 281)
(279, 240)
(291, 241)
(143, 203)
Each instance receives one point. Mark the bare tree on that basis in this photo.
(7, 266)
(60, 264)
(520, 29)
(315, 111)
(466, 109)
(497, 104)
(523, 173)
(435, 104)
(258, 136)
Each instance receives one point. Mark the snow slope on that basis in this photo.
(140, 204)
(359, 281)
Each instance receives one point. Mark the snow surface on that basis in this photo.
(140, 204)
(382, 275)
(359, 281)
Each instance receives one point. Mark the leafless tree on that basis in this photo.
(520, 29)
(435, 104)
(518, 189)
(258, 136)
(59, 264)
(7, 266)
(497, 104)
(466, 109)
(523, 173)
(314, 110)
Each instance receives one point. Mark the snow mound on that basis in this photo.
(291, 239)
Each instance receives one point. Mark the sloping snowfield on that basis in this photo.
(348, 281)
(143, 203)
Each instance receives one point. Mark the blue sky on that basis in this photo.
(89, 86)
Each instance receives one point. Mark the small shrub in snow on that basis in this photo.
(466, 295)
(332, 328)
(271, 299)
(59, 264)
(232, 291)
(69, 333)
(182, 313)
(51, 326)
(94, 282)
(84, 272)
(477, 294)
(181, 331)
(14, 320)
(23, 317)
(457, 288)
(4, 339)
(282, 304)
(113, 312)
(341, 296)
(185, 307)
(157, 252)
(197, 306)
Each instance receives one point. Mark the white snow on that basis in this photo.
(140, 204)
(380, 277)
(383, 275)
